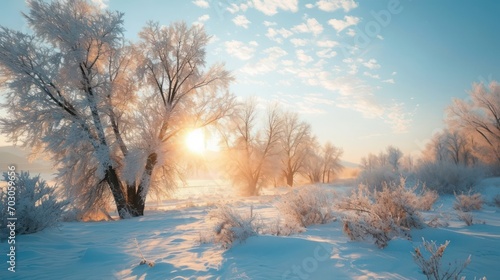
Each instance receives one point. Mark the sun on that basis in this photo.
(195, 141)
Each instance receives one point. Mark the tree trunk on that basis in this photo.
(289, 179)
(136, 197)
(117, 191)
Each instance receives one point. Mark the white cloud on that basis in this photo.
(398, 117)
(380, 37)
(202, 19)
(240, 50)
(234, 8)
(374, 76)
(394, 73)
(351, 32)
(201, 3)
(354, 94)
(333, 5)
(353, 69)
(287, 62)
(303, 57)
(271, 7)
(326, 53)
(340, 25)
(310, 26)
(371, 64)
(266, 64)
(277, 35)
(389, 81)
(327, 43)
(309, 6)
(241, 20)
(298, 42)
(269, 23)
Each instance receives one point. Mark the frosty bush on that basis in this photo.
(468, 202)
(37, 206)
(467, 218)
(432, 266)
(231, 226)
(382, 215)
(304, 207)
(376, 177)
(448, 178)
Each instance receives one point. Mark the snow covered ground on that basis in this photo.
(171, 235)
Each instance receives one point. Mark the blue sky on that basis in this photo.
(365, 74)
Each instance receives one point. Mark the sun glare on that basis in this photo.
(195, 141)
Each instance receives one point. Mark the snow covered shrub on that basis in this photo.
(306, 206)
(37, 205)
(231, 226)
(468, 202)
(432, 267)
(376, 177)
(448, 178)
(382, 215)
(466, 217)
(438, 221)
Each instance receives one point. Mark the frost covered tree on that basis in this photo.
(480, 117)
(107, 112)
(251, 147)
(322, 161)
(451, 146)
(295, 141)
(331, 161)
(394, 156)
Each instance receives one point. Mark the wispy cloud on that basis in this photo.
(201, 3)
(326, 53)
(399, 118)
(277, 35)
(339, 24)
(271, 7)
(202, 19)
(389, 81)
(234, 8)
(266, 64)
(269, 23)
(298, 42)
(310, 26)
(310, 103)
(374, 76)
(241, 20)
(326, 43)
(240, 50)
(303, 57)
(333, 5)
(371, 64)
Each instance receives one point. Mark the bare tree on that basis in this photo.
(322, 162)
(295, 142)
(450, 146)
(314, 162)
(77, 92)
(480, 116)
(394, 156)
(331, 161)
(250, 149)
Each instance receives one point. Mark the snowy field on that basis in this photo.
(171, 235)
